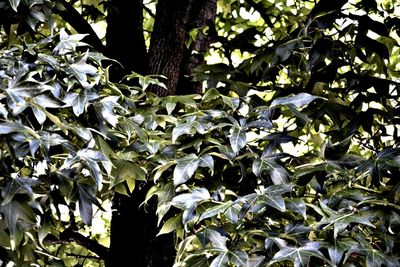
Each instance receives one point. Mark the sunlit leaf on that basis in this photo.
(299, 100)
(237, 139)
(185, 168)
(300, 256)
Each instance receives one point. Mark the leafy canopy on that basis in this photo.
(290, 155)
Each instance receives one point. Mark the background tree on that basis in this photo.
(299, 115)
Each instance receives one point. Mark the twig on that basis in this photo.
(75, 19)
(69, 236)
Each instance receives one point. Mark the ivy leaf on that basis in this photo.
(127, 171)
(90, 157)
(239, 258)
(215, 210)
(279, 175)
(270, 196)
(299, 100)
(170, 225)
(221, 260)
(373, 257)
(10, 127)
(297, 205)
(255, 260)
(237, 139)
(13, 212)
(206, 161)
(170, 104)
(259, 165)
(17, 186)
(181, 129)
(232, 213)
(185, 168)
(85, 199)
(106, 108)
(337, 249)
(340, 220)
(165, 194)
(216, 239)
(78, 102)
(14, 4)
(300, 256)
(188, 202)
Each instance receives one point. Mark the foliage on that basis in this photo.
(289, 157)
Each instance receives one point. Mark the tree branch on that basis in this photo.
(69, 236)
(148, 10)
(261, 9)
(78, 22)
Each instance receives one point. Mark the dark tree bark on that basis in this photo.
(133, 233)
(124, 36)
(131, 223)
(134, 229)
(202, 14)
(168, 41)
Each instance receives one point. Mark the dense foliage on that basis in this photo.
(289, 157)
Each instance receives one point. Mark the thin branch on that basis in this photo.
(148, 10)
(261, 9)
(83, 256)
(69, 236)
(78, 22)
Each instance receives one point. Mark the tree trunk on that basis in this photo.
(134, 229)
(202, 14)
(168, 41)
(124, 36)
(133, 233)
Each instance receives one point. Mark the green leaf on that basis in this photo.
(259, 165)
(221, 260)
(216, 239)
(233, 103)
(271, 196)
(297, 205)
(185, 201)
(255, 260)
(14, 4)
(279, 175)
(232, 213)
(340, 220)
(10, 127)
(164, 193)
(90, 157)
(86, 198)
(300, 256)
(239, 258)
(373, 257)
(170, 104)
(211, 95)
(181, 129)
(15, 212)
(299, 100)
(237, 139)
(17, 186)
(170, 225)
(206, 161)
(215, 210)
(338, 248)
(127, 171)
(185, 168)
